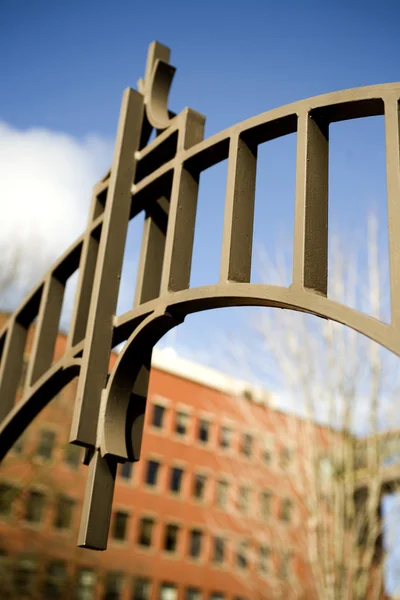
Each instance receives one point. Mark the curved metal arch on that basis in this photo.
(29, 407)
(161, 179)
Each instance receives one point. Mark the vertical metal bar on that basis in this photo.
(11, 365)
(86, 271)
(46, 330)
(182, 212)
(108, 272)
(83, 292)
(97, 503)
(392, 127)
(310, 260)
(151, 254)
(237, 240)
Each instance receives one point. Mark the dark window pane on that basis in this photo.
(7, 495)
(219, 550)
(204, 430)
(195, 540)
(120, 525)
(285, 513)
(25, 576)
(55, 580)
(265, 554)
(152, 472)
(217, 596)
(141, 589)
(267, 451)
(158, 416)
(225, 438)
(85, 587)
(247, 445)
(199, 484)
(34, 507)
(193, 594)
(126, 470)
(145, 531)
(242, 556)
(73, 455)
(46, 444)
(181, 423)
(113, 585)
(64, 510)
(176, 479)
(171, 538)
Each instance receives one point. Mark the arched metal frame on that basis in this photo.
(160, 178)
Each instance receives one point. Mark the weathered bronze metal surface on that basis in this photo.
(160, 178)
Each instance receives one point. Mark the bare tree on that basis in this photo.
(343, 388)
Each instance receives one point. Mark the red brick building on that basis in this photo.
(209, 512)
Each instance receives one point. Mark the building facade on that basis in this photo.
(208, 513)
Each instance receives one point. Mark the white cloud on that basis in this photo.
(46, 180)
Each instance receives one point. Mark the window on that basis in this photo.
(204, 430)
(176, 479)
(152, 472)
(222, 493)
(265, 555)
(158, 416)
(284, 565)
(218, 550)
(171, 538)
(145, 531)
(181, 423)
(266, 453)
(265, 504)
(34, 507)
(195, 540)
(120, 525)
(85, 584)
(243, 499)
(72, 456)
(25, 576)
(141, 589)
(46, 444)
(113, 585)
(125, 471)
(225, 437)
(285, 513)
(241, 557)
(193, 594)
(199, 485)
(55, 580)
(285, 458)
(168, 591)
(7, 495)
(217, 596)
(64, 511)
(247, 445)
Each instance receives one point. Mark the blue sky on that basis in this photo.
(65, 66)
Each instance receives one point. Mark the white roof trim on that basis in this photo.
(167, 360)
